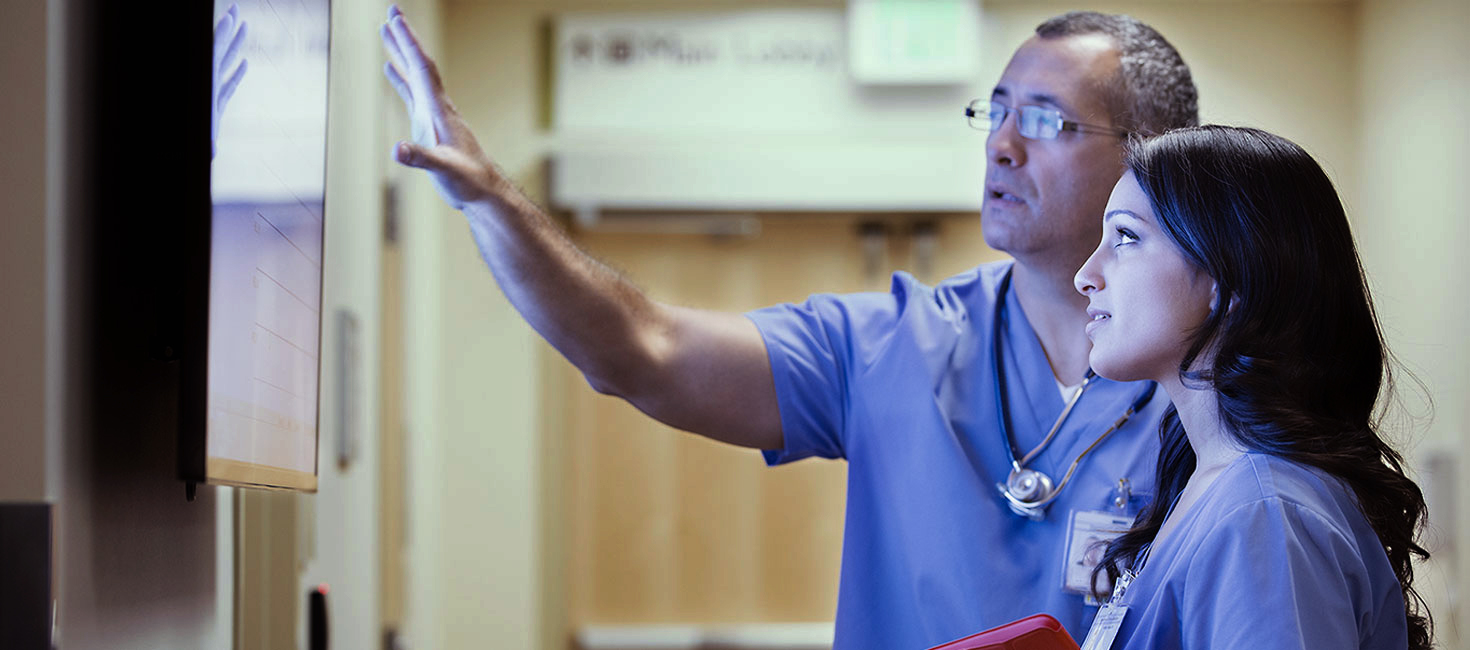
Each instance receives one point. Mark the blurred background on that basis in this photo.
(723, 154)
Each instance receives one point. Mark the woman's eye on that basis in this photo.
(1125, 236)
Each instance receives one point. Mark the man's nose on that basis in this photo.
(1006, 146)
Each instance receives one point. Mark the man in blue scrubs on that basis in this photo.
(938, 397)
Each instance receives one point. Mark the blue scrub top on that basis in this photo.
(1274, 555)
(902, 386)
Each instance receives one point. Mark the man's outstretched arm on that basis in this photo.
(701, 371)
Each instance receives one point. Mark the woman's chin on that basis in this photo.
(1111, 366)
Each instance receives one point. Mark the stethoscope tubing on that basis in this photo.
(1003, 404)
(1056, 426)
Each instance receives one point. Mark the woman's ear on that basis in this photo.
(1215, 298)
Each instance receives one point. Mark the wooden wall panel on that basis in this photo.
(666, 527)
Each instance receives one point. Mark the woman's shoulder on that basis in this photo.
(1282, 553)
(1263, 478)
(1294, 496)
(1255, 475)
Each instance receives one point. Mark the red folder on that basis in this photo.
(1037, 632)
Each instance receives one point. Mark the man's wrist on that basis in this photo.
(485, 207)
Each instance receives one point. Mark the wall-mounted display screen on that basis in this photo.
(267, 185)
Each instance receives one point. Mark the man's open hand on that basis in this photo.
(442, 143)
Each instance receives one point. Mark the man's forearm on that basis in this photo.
(701, 371)
(593, 316)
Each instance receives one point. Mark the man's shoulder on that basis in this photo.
(985, 276)
(975, 289)
(954, 303)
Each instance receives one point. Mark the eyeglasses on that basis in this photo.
(1035, 122)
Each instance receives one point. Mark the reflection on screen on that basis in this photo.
(267, 183)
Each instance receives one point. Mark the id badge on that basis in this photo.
(1091, 531)
(1105, 627)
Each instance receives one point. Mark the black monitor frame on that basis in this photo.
(151, 233)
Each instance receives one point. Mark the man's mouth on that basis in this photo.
(1000, 195)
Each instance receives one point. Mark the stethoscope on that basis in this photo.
(1029, 491)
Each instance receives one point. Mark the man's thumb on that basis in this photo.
(413, 155)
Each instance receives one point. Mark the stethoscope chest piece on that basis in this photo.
(1028, 485)
(1028, 491)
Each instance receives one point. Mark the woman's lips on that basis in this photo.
(1096, 319)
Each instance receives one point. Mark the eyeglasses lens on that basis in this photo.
(1039, 123)
(1033, 122)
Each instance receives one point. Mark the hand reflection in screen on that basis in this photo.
(229, 66)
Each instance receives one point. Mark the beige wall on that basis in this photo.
(484, 485)
(1413, 228)
(341, 519)
(424, 226)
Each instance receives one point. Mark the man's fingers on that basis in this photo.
(227, 90)
(391, 45)
(422, 128)
(416, 78)
(399, 85)
(416, 63)
(439, 115)
(422, 75)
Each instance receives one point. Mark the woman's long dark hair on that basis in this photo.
(1298, 360)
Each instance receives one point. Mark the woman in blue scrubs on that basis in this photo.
(1282, 519)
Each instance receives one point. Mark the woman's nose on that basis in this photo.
(1087, 280)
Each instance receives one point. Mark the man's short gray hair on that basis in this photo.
(1153, 91)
